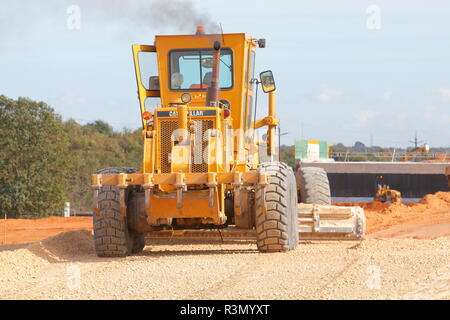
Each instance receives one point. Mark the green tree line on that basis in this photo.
(45, 161)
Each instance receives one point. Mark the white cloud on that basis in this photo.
(429, 112)
(444, 119)
(444, 94)
(327, 94)
(363, 117)
(402, 116)
(386, 96)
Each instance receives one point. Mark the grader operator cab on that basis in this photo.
(204, 170)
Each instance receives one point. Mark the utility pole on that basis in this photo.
(416, 144)
(416, 141)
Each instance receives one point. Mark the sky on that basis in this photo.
(346, 71)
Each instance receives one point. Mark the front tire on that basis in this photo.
(112, 237)
(277, 228)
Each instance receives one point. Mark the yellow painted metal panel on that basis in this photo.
(143, 92)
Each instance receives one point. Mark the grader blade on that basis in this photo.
(330, 222)
(315, 222)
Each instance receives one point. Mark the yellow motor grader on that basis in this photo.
(205, 172)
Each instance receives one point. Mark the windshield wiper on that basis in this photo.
(229, 66)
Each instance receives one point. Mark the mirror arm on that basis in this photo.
(272, 122)
(271, 129)
(266, 121)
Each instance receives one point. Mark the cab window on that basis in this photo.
(192, 69)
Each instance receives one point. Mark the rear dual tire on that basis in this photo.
(313, 186)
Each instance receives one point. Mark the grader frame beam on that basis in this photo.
(149, 182)
(123, 179)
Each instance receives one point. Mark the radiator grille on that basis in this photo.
(167, 127)
(198, 162)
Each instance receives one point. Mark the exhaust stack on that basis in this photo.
(213, 92)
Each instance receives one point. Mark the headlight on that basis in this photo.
(186, 97)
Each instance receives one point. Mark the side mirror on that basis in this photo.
(267, 81)
(262, 43)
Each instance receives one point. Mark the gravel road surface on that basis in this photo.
(66, 267)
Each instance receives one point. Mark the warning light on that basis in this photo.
(146, 115)
(200, 30)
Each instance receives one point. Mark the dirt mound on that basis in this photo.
(68, 245)
(440, 200)
(421, 220)
(35, 260)
(65, 246)
(372, 206)
(430, 204)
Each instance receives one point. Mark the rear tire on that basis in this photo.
(313, 186)
(277, 229)
(112, 237)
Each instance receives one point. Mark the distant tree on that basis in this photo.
(340, 146)
(359, 146)
(34, 164)
(102, 127)
(92, 149)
